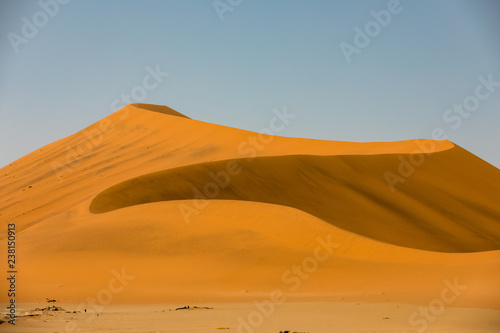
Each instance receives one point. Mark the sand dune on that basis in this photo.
(111, 197)
(432, 212)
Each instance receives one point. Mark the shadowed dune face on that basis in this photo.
(158, 108)
(442, 207)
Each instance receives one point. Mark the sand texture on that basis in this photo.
(148, 206)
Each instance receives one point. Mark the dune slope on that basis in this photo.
(438, 210)
(114, 195)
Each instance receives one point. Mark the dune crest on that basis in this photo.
(158, 108)
(346, 191)
(109, 197)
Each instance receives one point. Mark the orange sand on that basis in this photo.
(118, 195)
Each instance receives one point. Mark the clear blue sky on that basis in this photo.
(262, 55)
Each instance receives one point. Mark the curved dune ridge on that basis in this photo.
(436, 210)
(119, 195)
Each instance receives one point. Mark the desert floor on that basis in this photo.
(311, 317)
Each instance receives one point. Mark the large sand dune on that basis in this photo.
(119, 195)
(432, 212)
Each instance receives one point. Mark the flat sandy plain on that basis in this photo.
(321, 317)
(148, 210)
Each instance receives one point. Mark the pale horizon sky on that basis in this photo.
(401, 85)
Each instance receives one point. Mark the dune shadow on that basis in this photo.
(349, 192)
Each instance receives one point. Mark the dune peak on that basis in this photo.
(158, 108)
